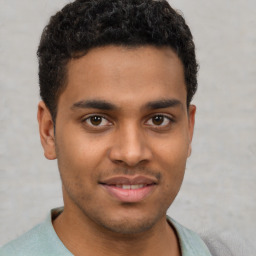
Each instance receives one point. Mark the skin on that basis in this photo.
(147, 131)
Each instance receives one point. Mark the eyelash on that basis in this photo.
(88, 118)
(102, 117)
(164, 118)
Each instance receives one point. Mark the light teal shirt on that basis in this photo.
(42, 240)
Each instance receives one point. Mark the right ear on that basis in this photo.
(46, 130)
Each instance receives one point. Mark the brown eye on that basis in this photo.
(95, 120)
(158, 120)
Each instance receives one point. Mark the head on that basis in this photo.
(116, 79)
(86, 24)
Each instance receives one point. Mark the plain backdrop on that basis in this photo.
(219, 190)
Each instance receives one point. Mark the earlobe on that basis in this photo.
(189, 150)
(192, 113)
(46, 130)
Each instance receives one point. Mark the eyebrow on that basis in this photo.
(97, 104)
(165, 103)
(104, 105)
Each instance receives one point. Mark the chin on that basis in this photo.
(129, 223)
(127, 227)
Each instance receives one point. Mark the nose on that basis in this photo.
(130, 147)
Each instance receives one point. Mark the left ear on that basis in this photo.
(191, 124)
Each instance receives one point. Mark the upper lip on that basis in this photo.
(129, 180)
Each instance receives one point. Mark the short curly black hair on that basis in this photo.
(86, 24)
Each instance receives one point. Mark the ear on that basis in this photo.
(46, 130)
(191, 125)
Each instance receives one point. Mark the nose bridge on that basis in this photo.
(130, 145)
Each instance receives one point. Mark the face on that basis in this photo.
(123, 135)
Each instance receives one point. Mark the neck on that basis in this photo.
(82, 236)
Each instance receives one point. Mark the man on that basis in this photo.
(116, 79)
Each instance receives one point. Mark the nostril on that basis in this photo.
(130, 149)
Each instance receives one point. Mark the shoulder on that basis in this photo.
(41, 241)
(227, 243)
(224, 243)
(190, 242)
(27, 244)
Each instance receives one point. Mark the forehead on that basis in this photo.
(125, 75)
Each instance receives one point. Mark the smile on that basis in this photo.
(137, 186)
(129, 189)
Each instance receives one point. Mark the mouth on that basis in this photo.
(135, 186)
(129, 189)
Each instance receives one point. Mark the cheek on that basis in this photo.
(172, 152)
(172, 157)
(79, 156)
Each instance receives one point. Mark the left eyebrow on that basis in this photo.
(165, 103)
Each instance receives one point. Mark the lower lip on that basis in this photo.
(129, 195)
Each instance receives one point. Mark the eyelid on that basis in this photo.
(170, 118)
(167, 116)
(87, 117)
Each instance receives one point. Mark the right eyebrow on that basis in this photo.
(96, 104)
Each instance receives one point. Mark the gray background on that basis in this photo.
(219, 191)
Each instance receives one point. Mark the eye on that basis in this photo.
(97, 121)
(159, 120)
